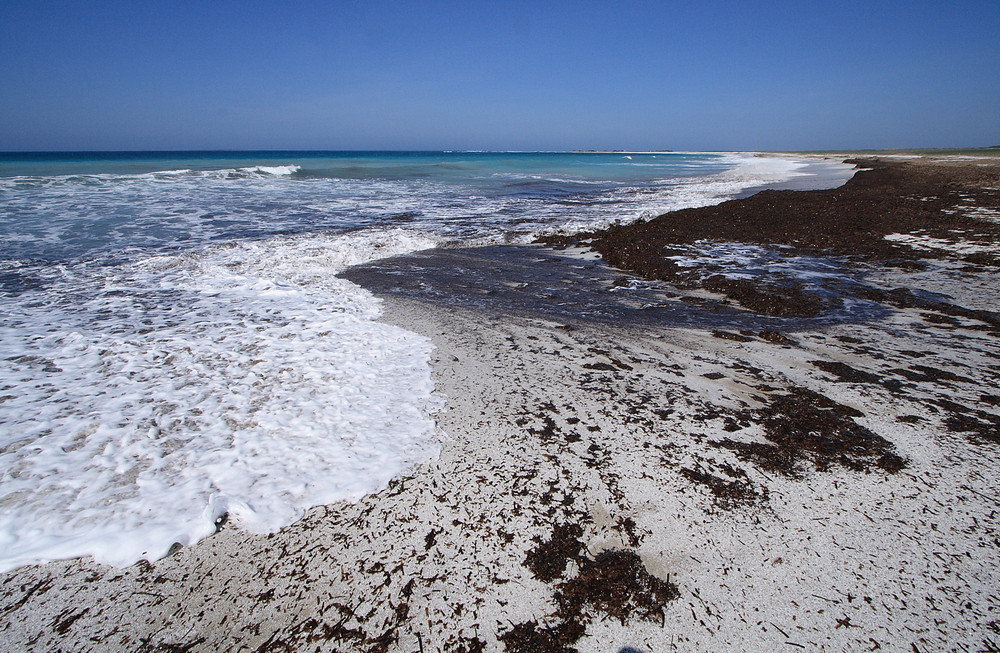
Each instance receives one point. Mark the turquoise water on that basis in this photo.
(61, 207)
(366, 165)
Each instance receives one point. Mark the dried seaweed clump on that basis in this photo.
(614, 583)
(731, 493)
(805, 427)
(845, 373)
(531, 637)
(548, 560)
(979, 424)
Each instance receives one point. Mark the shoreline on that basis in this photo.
(882, 198)
(607, 485)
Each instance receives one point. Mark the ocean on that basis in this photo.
(176, 344)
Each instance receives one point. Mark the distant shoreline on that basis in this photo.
(887, 196)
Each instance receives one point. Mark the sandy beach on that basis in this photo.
(659, 455)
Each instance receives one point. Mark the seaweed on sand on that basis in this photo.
(803, 426)
(614, 583)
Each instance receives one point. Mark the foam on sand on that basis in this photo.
(244, 380)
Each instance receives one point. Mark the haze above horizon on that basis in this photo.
(505, 76)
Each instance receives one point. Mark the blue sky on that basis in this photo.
(502, 75)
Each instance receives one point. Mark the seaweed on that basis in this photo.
(728, 494)
(845, 373)
(803, 427)
(613, 583)
(548, 560)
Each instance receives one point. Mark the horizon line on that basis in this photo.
(487, 151)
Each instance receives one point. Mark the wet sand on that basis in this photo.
(800, 457)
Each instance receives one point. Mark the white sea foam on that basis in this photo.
(958, 245)
(748, 171)
(111, 178)
(140, 404)
(186, 207)
(273, 170)
(743, 261)
(168, 173)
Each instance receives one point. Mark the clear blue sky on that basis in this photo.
(214, 74)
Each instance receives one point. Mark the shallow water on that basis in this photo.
(575, 287)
